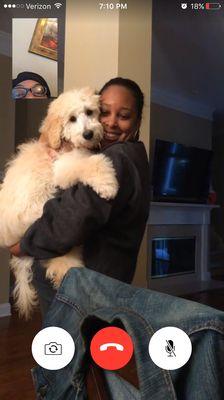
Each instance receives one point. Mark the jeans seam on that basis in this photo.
(78, 384)
(209, 326)
(126, 387)
(66, 300)
(49, 382)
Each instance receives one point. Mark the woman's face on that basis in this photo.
(118, 114)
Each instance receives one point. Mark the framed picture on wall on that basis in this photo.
(45, 38)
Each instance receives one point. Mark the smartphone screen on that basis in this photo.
(127, 329)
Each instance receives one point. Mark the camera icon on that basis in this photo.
(53, 348)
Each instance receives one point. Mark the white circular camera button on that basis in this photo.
(53, 348)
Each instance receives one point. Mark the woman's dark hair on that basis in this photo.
(134, 89)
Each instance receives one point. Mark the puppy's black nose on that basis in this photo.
(88, 135)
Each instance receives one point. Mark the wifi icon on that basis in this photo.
(57, 5)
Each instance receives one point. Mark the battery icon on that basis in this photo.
(212, 6)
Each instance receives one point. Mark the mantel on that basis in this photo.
(162, 213)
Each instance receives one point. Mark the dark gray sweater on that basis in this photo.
(110, 231)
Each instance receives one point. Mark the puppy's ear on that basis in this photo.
(87, 91)
(50, 131)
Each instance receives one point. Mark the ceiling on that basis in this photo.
(187, 58)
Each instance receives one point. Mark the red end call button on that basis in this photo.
(111, 348)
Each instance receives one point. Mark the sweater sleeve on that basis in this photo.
(74, 215)
(67, 221)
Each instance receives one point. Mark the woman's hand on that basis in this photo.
(16, 251)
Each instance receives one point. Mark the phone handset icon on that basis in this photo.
(105, 346)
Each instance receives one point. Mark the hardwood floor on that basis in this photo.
(16, 359)
(16, 337)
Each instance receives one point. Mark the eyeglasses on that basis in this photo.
(37, 90)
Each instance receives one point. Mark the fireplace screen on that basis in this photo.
(173, 256)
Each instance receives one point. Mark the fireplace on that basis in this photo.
(178, 242)
(172, 256)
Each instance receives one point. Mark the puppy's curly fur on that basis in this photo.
(32, 177)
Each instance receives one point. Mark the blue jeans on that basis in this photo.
(87, 299)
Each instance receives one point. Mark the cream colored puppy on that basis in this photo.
(32, 177)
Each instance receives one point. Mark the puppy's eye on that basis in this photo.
(72, 119)
(89, 112)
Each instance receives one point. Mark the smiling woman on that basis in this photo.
(121, 110)
(110, 232)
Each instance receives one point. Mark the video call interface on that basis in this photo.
(160, 334)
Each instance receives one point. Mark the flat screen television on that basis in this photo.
(181, 173)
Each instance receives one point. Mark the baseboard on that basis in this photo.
(5, 310)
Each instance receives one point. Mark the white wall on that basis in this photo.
(91, 44)
(135, 32)
(134, 60)
(22, 32)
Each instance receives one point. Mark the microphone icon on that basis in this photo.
(170, 348)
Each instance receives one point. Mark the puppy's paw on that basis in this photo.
(59, 266)
(55, 276)
(64, 175)
(102, 177)
(108, 188)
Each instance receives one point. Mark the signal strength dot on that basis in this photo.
(10, 5)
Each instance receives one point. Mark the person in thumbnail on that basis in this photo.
(29, 85)
(109, 231)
